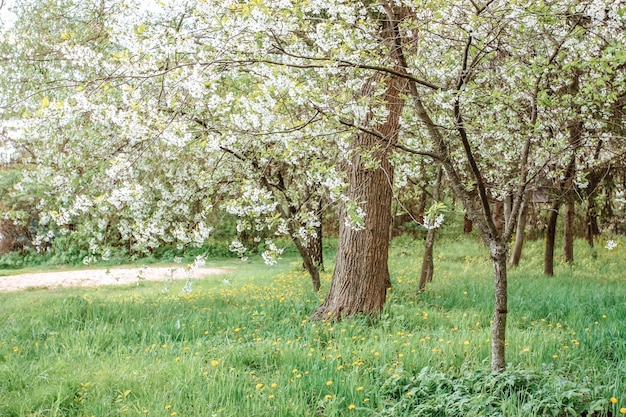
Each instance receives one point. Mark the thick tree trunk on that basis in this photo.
(361, 275)
(519, 235)
(568, 232)
(498, 328)
(548, 256)
(427, 260)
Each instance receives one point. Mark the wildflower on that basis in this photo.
(359, 389)
(328, 396)
(274, 385)
(622, 410)
(259, 385)
(613, 400)
(329, 383)
(351, 407)
(526, 350)
(215, 362)
(167, 407)
(466, 343)
(611, 244)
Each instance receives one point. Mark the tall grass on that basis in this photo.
(242, 344)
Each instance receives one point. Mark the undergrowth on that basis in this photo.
(242, 344)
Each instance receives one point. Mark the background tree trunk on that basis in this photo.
(427, 260)
(519, 235)
(361, 276)
(548, 256)
(568, 232)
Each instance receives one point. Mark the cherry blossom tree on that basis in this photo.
(151, 119)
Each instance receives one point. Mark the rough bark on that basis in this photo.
(361, 276)
(427, 261)
(519, 235)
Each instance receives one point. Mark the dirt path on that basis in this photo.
(97, 277)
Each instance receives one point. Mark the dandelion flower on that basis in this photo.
(329, 383)
(622, 410)
(613, 400)
(351, 407)
(214, 362)
(259, 385)
(359, 389)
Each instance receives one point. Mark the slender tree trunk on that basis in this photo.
(498, 216)
(315, 243)
(568, 232)
(309, 263)
(548, 257)
(427, 260)
(591, 221)
(361, 276)
(519, 235)
(467, 224)
(498, 328)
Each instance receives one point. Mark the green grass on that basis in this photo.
(248, 348)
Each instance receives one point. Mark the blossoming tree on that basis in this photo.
(148, 120)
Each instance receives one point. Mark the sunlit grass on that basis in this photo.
(242, 344)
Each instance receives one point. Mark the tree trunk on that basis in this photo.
(467, 224)
(519, 235)
(591, 221)
(309, 263)
(568, 232)
(498, 328)
(315, 243)
(427, 260)
(361, 275)
(548, 257)
(498, 216)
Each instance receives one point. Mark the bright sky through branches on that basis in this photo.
(7, 18)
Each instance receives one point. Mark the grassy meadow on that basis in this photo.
(242, 344)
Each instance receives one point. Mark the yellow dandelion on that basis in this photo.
(271, 396)
(329, 383)
(613, 400)
(167, 407)
(215, 362)
(466, 343)
(359, 389)
(259, 385)
(351, 407)
(328, 396)
(622, 410)
(274, 385)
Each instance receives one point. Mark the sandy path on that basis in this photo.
(96, 277)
